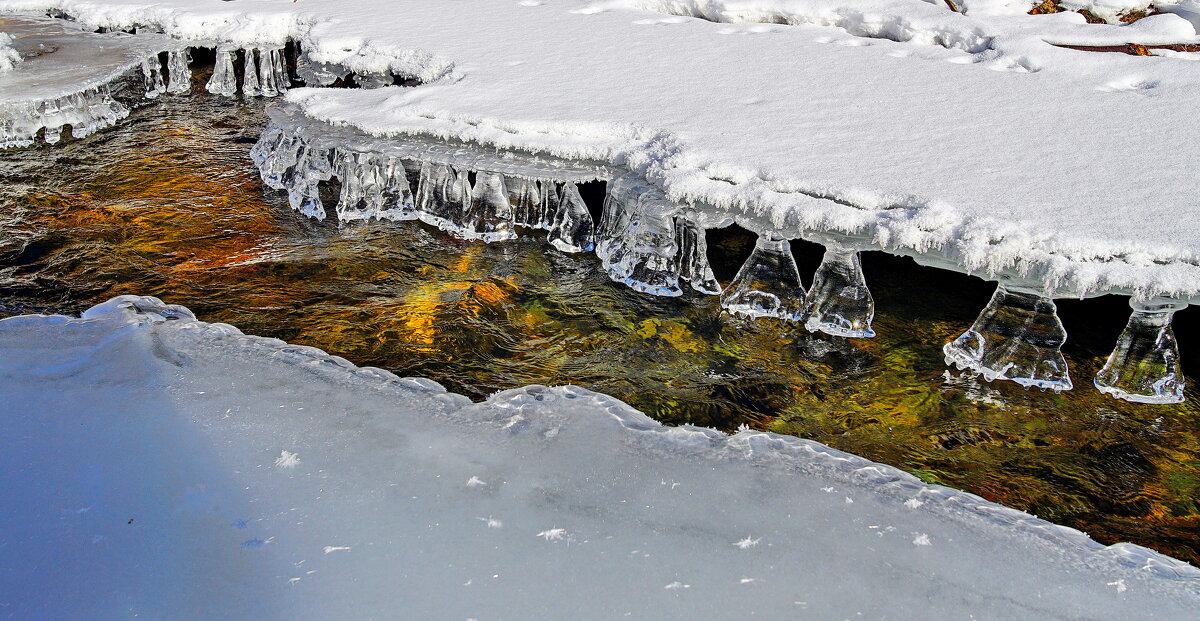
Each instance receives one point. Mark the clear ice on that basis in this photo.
(839, 302)
(571, 227)
(693, 266)
(489, 216)
(179, 74)
(768, 283)
(1017, 337)
(224, 79)
(1144, 366)
(152, 71)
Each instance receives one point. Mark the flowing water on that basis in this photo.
(169, 205)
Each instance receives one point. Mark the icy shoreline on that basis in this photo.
(145, 451)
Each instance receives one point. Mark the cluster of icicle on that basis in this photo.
(643, 240)
(90, 110)
(657, 246)
(264, 72)
(1019, 337)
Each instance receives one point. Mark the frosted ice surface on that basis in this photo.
(9, 56)
(152, 465)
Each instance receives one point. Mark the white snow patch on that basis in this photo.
(287, 460)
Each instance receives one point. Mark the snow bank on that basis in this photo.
(966, 139)
(155, 465)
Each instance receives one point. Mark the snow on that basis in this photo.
(964, 139)
(138, 477)
(9, 56)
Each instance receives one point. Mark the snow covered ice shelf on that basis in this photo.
(159, 466)
(67, 76)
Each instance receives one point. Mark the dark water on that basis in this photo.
(169, 205)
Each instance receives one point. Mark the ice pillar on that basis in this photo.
(251, 85)
(442, 196)
(526, 200)
(839, 302)
(693, 266)
(489, 216)
(768, 284)
(1017, 337)
(571, 226)
(272, 72)
(223, 81)
(1144, 366)
(152, 71)
(178, 72)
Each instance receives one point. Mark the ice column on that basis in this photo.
(178, 72)
(1018, 337)
(571, 226)
(839, 302)
(526, 200)
(251, 85)
(442, 196)
(768, 284)
(152, 71)
(362, 192)
(640, 249)
(223, 81)
(398, 203)
(490, 215)
(1144, 367)
(273, 78)
(312, 166)
(692, 258)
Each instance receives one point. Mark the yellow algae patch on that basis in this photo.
(674, 332)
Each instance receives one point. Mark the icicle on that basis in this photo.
(223, 81)
(643, 254)
(1018, 337)
(550, 192)
(571, 229)
(1144, 366)
(251, 87)
(362, 193)
(768, 284)
(152, 71)
(312, 166)
(398, 203)
(621, 200)
(490, 215)
(272, 72)
(693, 255)
(526, 200)
(178, 72)
(442, 196)
(839, 302)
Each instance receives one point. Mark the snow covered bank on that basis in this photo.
(152, 464)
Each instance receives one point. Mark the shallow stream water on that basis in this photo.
(168, 204)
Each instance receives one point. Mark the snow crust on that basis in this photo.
(965, 139)
(155, 465)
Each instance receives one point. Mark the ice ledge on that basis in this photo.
(543, 412)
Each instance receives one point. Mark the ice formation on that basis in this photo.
(264, 72)
(1144, 366)
(153, 465)
(1017, 337)
(76, 78)
(768, 284)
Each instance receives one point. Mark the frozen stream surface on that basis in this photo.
(154, 465)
